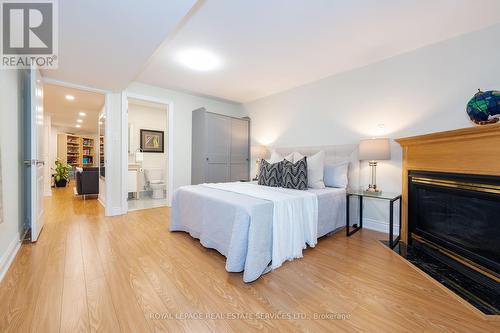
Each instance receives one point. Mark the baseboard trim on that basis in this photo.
(99, 198)
(116, 211)
(377, 225)
(9, 255)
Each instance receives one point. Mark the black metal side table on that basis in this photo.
(390, 196)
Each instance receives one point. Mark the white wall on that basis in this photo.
(151, 118)
(11, 155)
(419, 92)
(47, 154)
(53, 145)
(183, 105)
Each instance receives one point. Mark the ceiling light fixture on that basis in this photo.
(83, 114)
(198, 59)
(79, 121)
(70, 97)
(78, 126)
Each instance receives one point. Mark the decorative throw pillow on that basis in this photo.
(270, 174)
(315, 166)
(295, 174)
(336, 175)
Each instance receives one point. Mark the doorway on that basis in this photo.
(149, 150)
(74, 144)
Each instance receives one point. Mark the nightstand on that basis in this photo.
(383, 195)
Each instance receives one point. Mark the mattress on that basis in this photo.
(240, 227)
(331, 209)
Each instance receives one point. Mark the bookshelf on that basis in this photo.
(77, 151)
(87, 151)
(101, 151)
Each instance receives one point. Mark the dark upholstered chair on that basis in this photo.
(87, 181)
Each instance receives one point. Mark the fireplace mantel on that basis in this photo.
(474, 150)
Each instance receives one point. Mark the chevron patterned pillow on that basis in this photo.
(270, 174)
(295, 174)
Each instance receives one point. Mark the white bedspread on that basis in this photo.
(295, 217)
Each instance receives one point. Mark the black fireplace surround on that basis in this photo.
(457, 212)
(454, 234)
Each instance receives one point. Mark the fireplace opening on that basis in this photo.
(454, 233)
(458, 213)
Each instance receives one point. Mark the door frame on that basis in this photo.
(170, 135)
(33, 126)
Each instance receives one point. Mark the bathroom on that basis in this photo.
(147, 154)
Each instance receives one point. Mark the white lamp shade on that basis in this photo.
(259, 152)
(374, 150)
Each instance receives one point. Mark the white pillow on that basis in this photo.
(296, 156)
(315, 166)
(336, 175)
(277, 157)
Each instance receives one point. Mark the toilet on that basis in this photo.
(155, 182)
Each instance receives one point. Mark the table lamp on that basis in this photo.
(373, 150)
(259, 153)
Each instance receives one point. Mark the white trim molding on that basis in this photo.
(99, 198)
(377, 225)
(115, 211)
(74, 86)
(9, 255)
(124, 152)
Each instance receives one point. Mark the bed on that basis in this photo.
(240, 226)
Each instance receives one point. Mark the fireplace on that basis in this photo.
(450, 226)
(459, 215)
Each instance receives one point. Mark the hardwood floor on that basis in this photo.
(88, 273)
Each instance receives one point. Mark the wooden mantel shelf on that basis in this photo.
(459, 134)
(474, 150)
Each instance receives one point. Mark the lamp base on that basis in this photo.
(257, 167)
(372, 193)
(372, 187)
(372, 190)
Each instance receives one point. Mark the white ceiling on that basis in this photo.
(265, 46)
(270, 46)
(65, 113)
(105, 44)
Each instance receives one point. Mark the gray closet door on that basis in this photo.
(239, 158)
(218, 148)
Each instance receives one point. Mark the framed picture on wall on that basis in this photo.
(152, 141)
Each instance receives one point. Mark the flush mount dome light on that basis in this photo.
(198, 59)
(70, 97)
